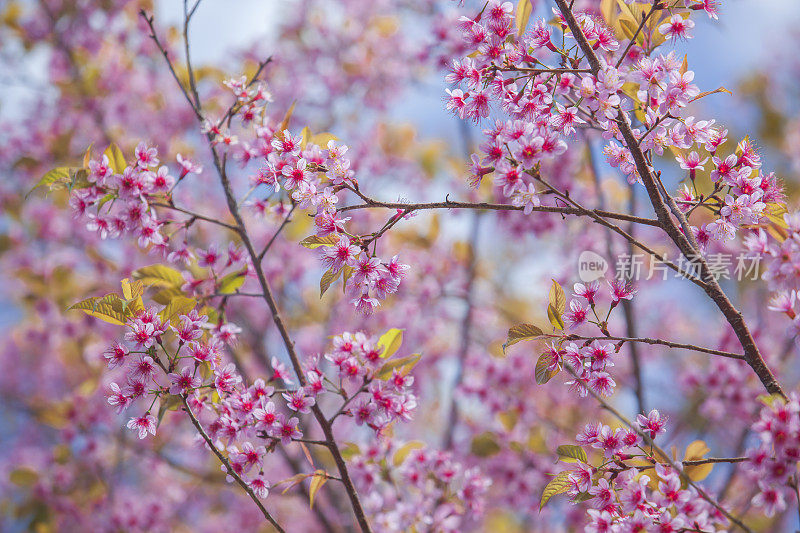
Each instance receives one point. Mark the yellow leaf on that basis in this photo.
(523, 14)
(319, 479)
(230, 283)
(542, 372)
(110, 308)
(87, 157)
(484, 445)
(292, 481)
(314, 241)
(116, 158)
(555, 318)
(349, 450)
(285, 122)
(180, 305)
(159, 275)
(321, 139)
(570, 453)
(132, 289)
(522, 332)
(715, 91)
(58, 178)
(557, 485)
(391, 341)
(403, 365)
(23, 476)
(305, 135)
(557, 298)
(694, 452)
(509, 419)
(402, 453)
(327, 279)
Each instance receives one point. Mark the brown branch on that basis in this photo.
(660, 342)
(286, 220)
(231, 472)
(197, 216)
(679, 233)
(219, 165)
(618, 230)
(484, 206)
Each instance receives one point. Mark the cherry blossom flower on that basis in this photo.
(184, 382)
(143, 424)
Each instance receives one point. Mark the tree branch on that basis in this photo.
(231, 472)
(685, 240)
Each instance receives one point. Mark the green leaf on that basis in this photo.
(180, 305)
(484, 445)
(522, 332)
(170, 403)
(160, 276)
(57, 176)
(542, 370)
(110, 308)
(116, 158)
(570, 453)
(349, 450)
(391, 341)
(327, 279)
(319, 479)
(402, 453)
(557, 298)
(314, 241)
(347, 272)
(555, 318)
(403, 365)
(230, 283)
(558, 485)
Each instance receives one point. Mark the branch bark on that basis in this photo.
(678, 232)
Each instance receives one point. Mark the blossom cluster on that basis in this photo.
(775, 463)
(117, 201)
(623, 493)
(545, 105)
(183, 361)
(425, 489)
(311, 175)
(781, 254)
(590, 361)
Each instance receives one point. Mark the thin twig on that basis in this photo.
(231, 472)
(286, 220)
(646, 340)
(449, 204)
(198, 216)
